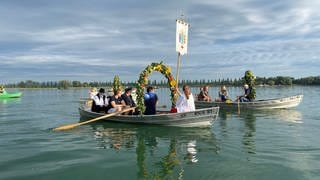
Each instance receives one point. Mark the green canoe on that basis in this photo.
(6, 95)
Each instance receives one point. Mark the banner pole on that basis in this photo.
(178, 67)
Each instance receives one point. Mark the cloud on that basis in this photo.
(84, 40)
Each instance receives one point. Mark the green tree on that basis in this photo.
(64, 84)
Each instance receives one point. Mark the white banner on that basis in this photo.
(182, 37)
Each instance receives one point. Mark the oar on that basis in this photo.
(70, 126)
(238, 106)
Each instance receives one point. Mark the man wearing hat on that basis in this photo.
(100, 102)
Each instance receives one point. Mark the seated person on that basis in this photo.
(92, 92)
(150, 101)
(2, 90)
(204, 94)
(116, 103)
(127, 98)
(100, 102)
(185, 102)
(245, 96)
(223, 94)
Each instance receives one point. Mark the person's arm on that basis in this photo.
(180, 94)
(113, 104)
(123, 104)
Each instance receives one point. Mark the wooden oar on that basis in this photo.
(70, 126)
(238, 106)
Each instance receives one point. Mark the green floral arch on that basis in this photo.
(143, 81)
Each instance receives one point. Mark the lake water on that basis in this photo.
(277, 144)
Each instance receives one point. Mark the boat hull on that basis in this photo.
(279, 103)
(198, 118)
(10, 95)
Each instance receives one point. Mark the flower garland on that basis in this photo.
(143, 81)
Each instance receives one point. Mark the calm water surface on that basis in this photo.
(277, 144)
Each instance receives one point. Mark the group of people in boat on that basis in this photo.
(185, 103)
(119, 101)
(223, 95)
(111, 103)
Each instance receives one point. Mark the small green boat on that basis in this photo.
(6, 95)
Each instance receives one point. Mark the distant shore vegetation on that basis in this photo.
(260, 81)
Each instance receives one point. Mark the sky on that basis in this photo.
(45, 40)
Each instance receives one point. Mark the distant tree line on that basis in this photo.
(271, 81)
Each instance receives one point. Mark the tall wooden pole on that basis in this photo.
(178, 68)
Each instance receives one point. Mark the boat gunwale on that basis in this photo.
(274, 103)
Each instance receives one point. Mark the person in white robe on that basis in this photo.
(185, 102)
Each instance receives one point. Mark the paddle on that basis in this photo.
(238, 106)
(70, 126)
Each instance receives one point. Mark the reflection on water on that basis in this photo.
(288, 115)
(247, 120)
(162, 152)
(9, 101)
(248, 140)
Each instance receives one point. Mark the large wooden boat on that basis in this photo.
(197, 118)
(278, 103)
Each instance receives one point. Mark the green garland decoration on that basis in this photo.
(143, 81)
(250, 80)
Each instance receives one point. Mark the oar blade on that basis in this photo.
(66, 127)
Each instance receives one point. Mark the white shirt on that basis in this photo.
(99, 101)
(184, 104)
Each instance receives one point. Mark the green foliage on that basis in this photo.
(311, 80)
(250, 80)
(116, 83)
(64, 84)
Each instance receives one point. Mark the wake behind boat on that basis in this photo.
(277, 103)
(198, 118)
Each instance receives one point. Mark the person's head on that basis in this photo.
(245, 86)
(150, 89)
(223, 88)
(93, 90)
(117, 92)
(128, 90)
(186, 90)
(101, 91)
(206, 88)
